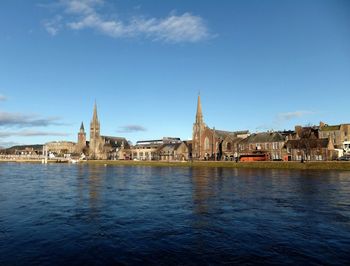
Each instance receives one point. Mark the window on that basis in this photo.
(319, 157)
(229, 146)
(206, 143)
(275, 145)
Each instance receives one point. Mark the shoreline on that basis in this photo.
(333, 165)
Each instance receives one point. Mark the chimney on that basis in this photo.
(298, 130)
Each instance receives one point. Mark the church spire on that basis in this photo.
(199, 115)
(94, 117)
(82, 129)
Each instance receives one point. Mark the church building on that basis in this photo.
(100, 147)
(211, 144)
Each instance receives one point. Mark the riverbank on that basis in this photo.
(334, 165)
(30, 161)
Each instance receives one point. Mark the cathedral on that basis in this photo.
(99, 147)
(211, 144)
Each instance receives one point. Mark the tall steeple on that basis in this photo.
(198, 132)
(82, 129)
(95, 124)
(199, 114)
(95, 138)
(81, 139)
(95, 117)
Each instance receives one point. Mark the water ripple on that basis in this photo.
(80, 214)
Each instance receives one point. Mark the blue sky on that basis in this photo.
(259, 65)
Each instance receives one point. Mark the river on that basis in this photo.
(61, 214)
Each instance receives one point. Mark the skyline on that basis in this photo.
(258, 66)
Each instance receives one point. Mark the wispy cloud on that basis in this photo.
(7, 144)
(54, 25)
(31, 133)
(281, 117)
(26, 120)
(2, 98)
(84, 14)
(131, 129)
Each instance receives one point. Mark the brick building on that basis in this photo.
(338, 133)
(212, 144)
(269, 143)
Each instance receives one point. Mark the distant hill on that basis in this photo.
(12, 149)
(22, 147)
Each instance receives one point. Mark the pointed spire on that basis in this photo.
(199, 115)
(82, 127)
(95, 117)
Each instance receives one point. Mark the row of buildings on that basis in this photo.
(321, 142)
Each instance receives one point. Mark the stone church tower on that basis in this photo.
(81, 139)
(198, 131)
(95, 138)
(210, 143)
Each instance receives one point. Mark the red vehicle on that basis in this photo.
(254, 157)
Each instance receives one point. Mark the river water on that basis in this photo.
(105, 215)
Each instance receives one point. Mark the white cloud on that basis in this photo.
(131, 129)
(83, 14)
(282, 118)
(54, 25)
(31, 133)
(7, 144)
(291, 115)
(2, 98)
(80, 6)
(26, 120)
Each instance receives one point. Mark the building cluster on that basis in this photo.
(312, 143)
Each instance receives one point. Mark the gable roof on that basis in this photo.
(330, 128)
(116, 142)
(307, 143)
(223, 134)
(170, 147)
(264, 137)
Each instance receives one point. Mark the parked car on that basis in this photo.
(345, 157)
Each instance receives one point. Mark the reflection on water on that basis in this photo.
(79, 214)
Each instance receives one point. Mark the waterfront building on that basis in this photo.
(310, 149)
(149, 149)
(270, 144)
(338, 133)
(211, 144)
(146, 150)
(61, 147)
(306, 143)
(103, 147)
(173, 152)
